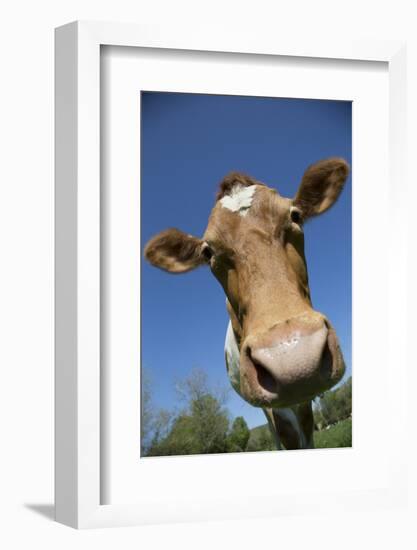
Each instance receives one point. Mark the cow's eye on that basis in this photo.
(207, 252)
(296, 216)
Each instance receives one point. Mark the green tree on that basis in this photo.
(261, 439)
(210, 424)
(146, 413)
(155, 423)
(178, 441)
(238, 437)
(202, 426)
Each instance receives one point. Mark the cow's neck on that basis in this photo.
(291, 426)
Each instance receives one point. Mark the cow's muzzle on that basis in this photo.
(292, 362)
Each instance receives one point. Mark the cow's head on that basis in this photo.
(254, 245)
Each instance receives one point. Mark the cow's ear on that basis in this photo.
(321, 186)
(175, 251)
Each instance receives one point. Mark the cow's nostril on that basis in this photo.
(326, 363)
(264, 377)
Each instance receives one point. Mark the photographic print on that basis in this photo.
(246, 287)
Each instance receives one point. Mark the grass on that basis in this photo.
(338, 435)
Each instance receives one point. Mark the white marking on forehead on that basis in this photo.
(240, 199)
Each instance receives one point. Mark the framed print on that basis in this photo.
(235, 143)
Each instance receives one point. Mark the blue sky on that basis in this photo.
(189, 142)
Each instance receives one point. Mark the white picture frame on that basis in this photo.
(78, 264)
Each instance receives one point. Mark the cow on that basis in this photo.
(280, 353)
